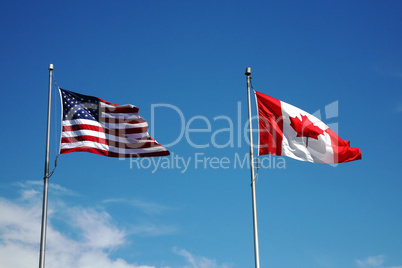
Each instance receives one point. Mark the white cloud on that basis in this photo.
(85, 240)
(146, 228)
(96, 228)
(20, 235)
(374, 262)
(19, 223)
(198, 262)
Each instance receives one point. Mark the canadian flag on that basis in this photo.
(289, 131)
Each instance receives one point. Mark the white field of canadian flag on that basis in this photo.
(289, 131)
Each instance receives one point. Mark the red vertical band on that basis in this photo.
(270, 124)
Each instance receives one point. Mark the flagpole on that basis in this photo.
(46, 178)
(256, 248)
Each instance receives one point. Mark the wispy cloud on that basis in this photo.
(374, 262)
(146, 228)
(87, 237)
(197, 261)
(34, 187)
(20, 232)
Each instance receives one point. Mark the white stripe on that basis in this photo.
(137, 151)
(75, 122)
(124, 116)
(105, 105)
(124, 125)
(131, 138)
(136, 136)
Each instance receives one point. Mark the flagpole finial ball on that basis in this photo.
(248, 71)
(50, 67)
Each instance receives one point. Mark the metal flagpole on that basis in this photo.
(46, 178)
(256, 249)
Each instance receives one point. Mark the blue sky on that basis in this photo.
(182, 63)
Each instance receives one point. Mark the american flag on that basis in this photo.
(93, 125)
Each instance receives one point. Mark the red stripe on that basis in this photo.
(150, 154)
(133, 145)
(84, 138)
(123, 132)
(270, 124)
(111, 154)
(342, 151)
(83, 127)
(120, 109)
(84, 149)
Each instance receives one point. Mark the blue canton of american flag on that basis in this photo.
(93, 125)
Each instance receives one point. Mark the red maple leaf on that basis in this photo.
(305, 128)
